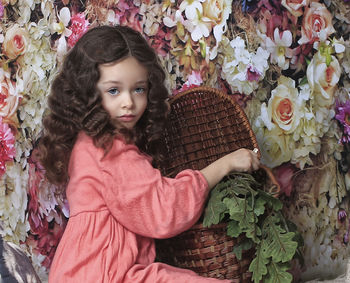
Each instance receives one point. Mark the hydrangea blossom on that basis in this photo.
(242, 69)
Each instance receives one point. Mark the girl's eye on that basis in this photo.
(113, 91)
(140, 90)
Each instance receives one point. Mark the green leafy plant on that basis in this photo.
(255, 214)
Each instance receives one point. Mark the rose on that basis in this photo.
(295, 7)
(283, 108)
(218, 12)
(9, 97)
(276, 147)
(15, 42)
(317, 24)
(323, 78)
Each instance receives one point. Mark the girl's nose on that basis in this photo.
(128, 101)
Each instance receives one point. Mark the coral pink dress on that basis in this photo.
(118, 204)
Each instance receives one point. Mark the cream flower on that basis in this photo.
(241, 69)
(9, 98)
(317, 24)
(295, 7)
(15, 41)
(323, 78)
(276, 147)
(284, 106)
(218, 12)
(13, 203)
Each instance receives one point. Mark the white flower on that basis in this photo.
(241, 69)
(279, 48)
(191, 8)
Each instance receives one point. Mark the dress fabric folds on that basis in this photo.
(118, 204)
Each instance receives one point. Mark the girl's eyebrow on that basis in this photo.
(118, 82)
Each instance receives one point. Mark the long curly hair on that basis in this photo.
(75, 103)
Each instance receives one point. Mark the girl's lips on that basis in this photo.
(126, 118)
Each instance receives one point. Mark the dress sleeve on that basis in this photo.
(144, 201)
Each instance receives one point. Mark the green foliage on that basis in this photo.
(249, 211)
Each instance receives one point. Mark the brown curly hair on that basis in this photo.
(75, 103)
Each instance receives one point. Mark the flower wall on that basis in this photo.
(286, 62)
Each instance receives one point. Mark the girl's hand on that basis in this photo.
(241, 160)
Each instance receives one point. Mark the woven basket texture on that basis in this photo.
(205, 124)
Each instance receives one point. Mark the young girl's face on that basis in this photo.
(124, 88)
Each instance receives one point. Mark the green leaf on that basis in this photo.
(244, 245)
(259, 207)
(278, 273)
(278, 244)
(271, 201)
(215, 209)
(258, 265)
(240, 210)
(253, 232)
(233, 229)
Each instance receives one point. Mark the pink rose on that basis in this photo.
(9, 98)
(295, 7)
(317, 24)
(78, 26)
(15, 42)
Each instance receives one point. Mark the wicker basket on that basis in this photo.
(205, 124)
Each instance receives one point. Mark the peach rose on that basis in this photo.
(323, 78)
(317, 24)
(283, 108)
(295, 7)
(15, 42)
(9, 98)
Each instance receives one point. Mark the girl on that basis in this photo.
(107, 111)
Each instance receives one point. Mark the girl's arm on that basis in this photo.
(241, 160)
(145, 202)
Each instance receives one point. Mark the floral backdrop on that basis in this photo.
(286, 62)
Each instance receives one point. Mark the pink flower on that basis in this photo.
(15, 42)
(7, 146)
(343, 116)
(46, 230)
(253, 74)
(161, 42)
(1, 10)
(79, 26)
(342, 215)
(9, 98)
(295, 7)
(317, 24)
(284, 174)
(193, 80)
(128, 15)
